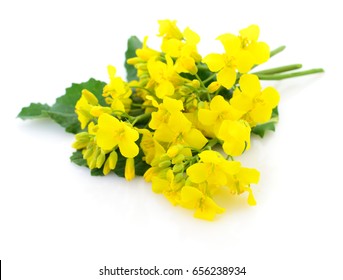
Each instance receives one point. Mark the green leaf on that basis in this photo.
(132, 45)
(78, 159)
(63, 111)
(97, 172)
(34, 111)
(261, 129)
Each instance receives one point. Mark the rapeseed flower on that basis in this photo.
(113, 133)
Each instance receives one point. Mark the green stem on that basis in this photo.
(289, 75)
(279, 69)
(210, 144)
(201, 82)
(142, 88)
(202, 67)
(209, 78)
(141, 118)
(277, 50)
(141, 105)
(203, 86)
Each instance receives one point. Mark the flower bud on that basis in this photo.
(178, 177)
(178, 167)
(90, 97)
(164, 157)
(129, 169)
(214, 86)
(164, 164)
(100, 159)
(112, 160)
(178, 159)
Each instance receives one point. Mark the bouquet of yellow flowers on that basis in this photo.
(179, 119)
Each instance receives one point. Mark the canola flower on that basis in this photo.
(181, 118)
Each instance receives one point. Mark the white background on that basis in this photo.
(58, 222)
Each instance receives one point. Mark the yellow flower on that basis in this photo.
(236, 137)
(179, 130)
(240, 182)
(259, 50)
(145, 53)
(151, 148)
(117, 90)
(165, 110)
(168, 29)
(212, 169)
(112, 133)
(185, 50)
(168, 186)
(241, 53)
(164, 76)
(219, 110)
(257, 104)
(205, 207)
(84, 106)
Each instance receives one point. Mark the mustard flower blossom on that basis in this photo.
(113, 133)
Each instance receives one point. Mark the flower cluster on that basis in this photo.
(176, 115)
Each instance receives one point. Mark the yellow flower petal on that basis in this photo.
(242, 101)
(165, 88)
(231, 43)
(198, 172)
(250, 33)
(179, 123)
(195, 138)
(106, 136)
(245, 61)
(260, 51)
(207, 117)
(131, 134)
(186, 64)
(169, 29)
(111, 71)
(248, 176)
(172, 105)
(250, 83)
(251, 198)
(227, 77)
(128, 148)
(208, 210)
(211, 157)
(217, 178)
(172, 47)
(190, 197)
(117, 105)
(191, 36)
(214, 61)
(270, 96)
(159, 185)
(219, 104)
(233, 147)
(164, 134)
(236, 136)
(261, 113)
